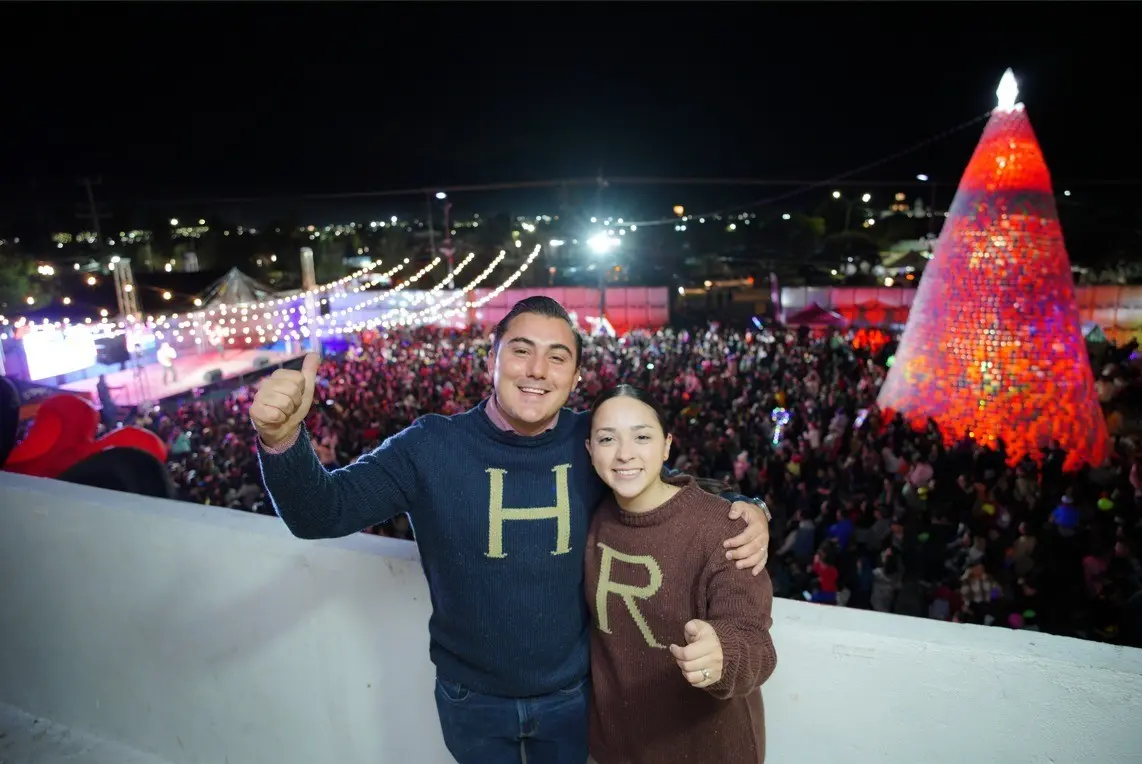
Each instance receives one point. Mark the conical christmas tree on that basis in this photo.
(993, 346)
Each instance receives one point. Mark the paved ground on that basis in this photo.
(27, 740)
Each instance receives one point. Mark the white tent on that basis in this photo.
(235, 288)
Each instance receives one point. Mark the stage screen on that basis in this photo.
(51, 352)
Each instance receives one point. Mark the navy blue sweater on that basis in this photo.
(501, 521)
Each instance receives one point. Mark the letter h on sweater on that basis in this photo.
(498, 514)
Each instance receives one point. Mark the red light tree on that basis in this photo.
(993, 346)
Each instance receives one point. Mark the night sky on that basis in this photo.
(196, 104)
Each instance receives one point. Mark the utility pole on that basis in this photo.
(931, 211)
(601, 184)
(125, 294)
(119, 267)
(431, 230)
(448, 249)
(91, 212)
(932, 218)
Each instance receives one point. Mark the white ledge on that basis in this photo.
(195, 634)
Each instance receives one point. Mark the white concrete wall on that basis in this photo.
(200, 634)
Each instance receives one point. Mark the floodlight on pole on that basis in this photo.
(447, 249)
(931, 209)
(600, 243)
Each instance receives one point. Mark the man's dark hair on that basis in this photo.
(541, 306)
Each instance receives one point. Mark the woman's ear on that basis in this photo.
(666, 449)
(587, 443)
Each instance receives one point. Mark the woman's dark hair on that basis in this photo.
(630, 391)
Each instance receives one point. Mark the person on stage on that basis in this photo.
(500, 497)
(681, 641)
(166, 356)
(218, 342)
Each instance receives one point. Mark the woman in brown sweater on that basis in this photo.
(681, 640)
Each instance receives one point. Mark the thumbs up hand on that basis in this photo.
(701, 658)
(283, 400)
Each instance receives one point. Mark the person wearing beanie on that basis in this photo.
(1066, 517)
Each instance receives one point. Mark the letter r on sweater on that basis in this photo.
(498, 514)
(626, 592)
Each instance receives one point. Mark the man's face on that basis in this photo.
(533, 371)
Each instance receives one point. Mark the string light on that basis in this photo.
(303, 331)
(416, 299)
(389, 320)
(441, 311)
(259, 305)
(233, 326)
(334, 315)
(430, 294)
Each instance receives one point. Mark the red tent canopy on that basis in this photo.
(816, 316)
(874, 313)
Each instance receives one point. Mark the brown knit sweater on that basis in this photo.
(647, 575)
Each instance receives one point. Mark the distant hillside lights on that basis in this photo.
(62, 238)
(375, 224)
(742, 218)
(186, 230)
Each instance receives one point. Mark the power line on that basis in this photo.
(836, 179)
(844, 179)
(523, 185)
(598, 181)
(382, 193)
(636, 181)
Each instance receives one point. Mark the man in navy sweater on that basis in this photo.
(500, 498)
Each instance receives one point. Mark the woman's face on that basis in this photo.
(627, 446)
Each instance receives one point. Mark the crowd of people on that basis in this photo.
(867, 514)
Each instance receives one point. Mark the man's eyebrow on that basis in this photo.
(532, 343)
(561, 346)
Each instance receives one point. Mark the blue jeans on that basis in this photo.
(485, 729)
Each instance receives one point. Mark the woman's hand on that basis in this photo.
(701, 658)
(750, 547)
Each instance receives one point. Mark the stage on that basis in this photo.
(145, 384)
